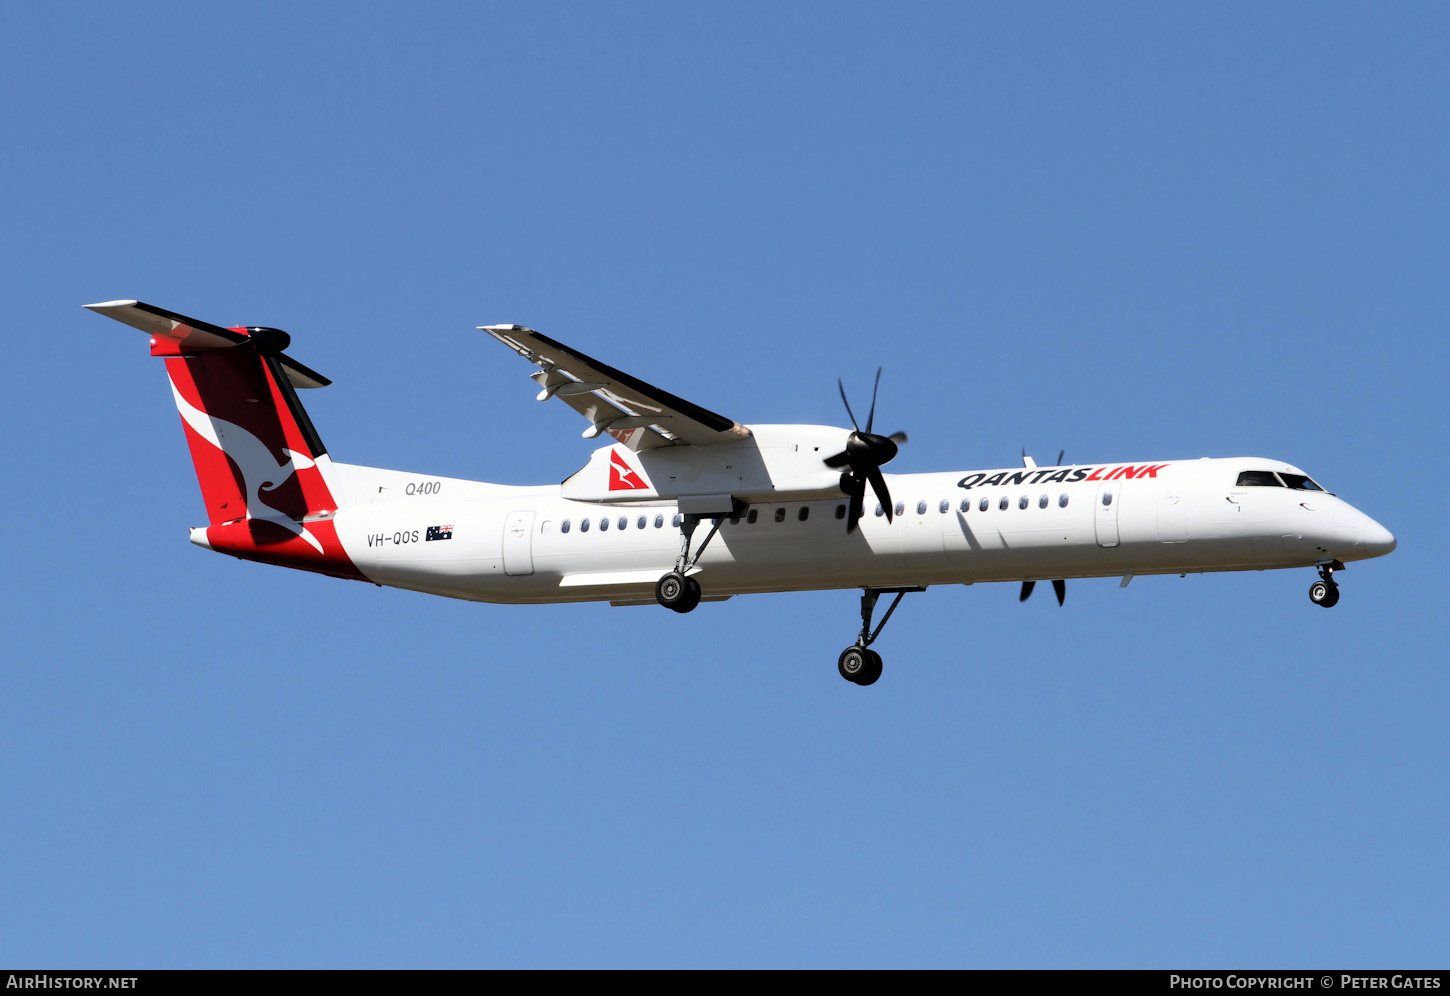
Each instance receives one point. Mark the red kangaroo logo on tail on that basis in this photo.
(622, 476)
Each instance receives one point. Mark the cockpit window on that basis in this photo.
(1299, 482)
(1258, 479)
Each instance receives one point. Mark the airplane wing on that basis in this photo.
(635, 413)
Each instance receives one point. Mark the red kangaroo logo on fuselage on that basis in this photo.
(622, 477)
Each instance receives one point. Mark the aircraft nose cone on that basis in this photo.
(1377, 540)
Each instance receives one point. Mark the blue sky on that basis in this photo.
(1134, 231)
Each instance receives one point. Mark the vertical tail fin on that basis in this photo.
(258, 458)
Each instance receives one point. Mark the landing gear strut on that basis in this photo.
(677, 590)
(858, 663)
(1325, 591)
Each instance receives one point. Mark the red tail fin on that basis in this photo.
(256, 452)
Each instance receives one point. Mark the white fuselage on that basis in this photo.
(507, 544)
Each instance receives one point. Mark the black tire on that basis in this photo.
(853, 663)
(873, 669)
(692, 596)
(671, 590)
(1323, 593)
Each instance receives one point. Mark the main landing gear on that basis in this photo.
(1325, 591)
(678, 590)
(858, 663)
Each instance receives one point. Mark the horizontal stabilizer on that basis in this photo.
(192, 335)
(169, 325)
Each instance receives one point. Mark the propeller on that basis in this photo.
(863, 457)
(1059, 587)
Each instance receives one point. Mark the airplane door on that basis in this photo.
(1105, 514)
(1172, 516)
(518, 543)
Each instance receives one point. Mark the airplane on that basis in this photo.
(786, 505)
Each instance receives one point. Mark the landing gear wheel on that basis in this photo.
(692, 595)
(1324, 593)
(672, 591)
(675, 591)
(873, 671)
(859, 665)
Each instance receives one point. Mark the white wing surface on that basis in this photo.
(637, 414)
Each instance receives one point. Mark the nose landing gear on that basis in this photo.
(858, 663)
(1325, 591)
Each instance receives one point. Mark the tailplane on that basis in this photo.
(261, 465)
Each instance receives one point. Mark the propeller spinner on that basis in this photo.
(863, 458)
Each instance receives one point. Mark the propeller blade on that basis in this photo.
(839, 460)
(847, 404)
(1060, 455)
(897, 437)
(854, 515)
(1027, 587)
(878, 485)
(871, 415)
(1060, 587)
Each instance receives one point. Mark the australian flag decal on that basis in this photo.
(439, 533)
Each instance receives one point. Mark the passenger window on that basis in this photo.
(966, 505)
(943, 505)
(1023, 502)
(641, 522)
(804, 513)
(546, 527)
(780, 514)
(1042, 501)
(623, 521)
(879, 510)
(1107, 498)
(735, 520)
(1299, 482)
(678, 520)
(1258, 479)
(984, 504)
(901, 508)
(583, 525)
(752, 515)
(1062, 501)
(840, 511)
(564, 526)
(659, 521)
(921, 508)
(1003, 503)
(603, 525)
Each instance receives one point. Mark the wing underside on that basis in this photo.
(637, 414)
